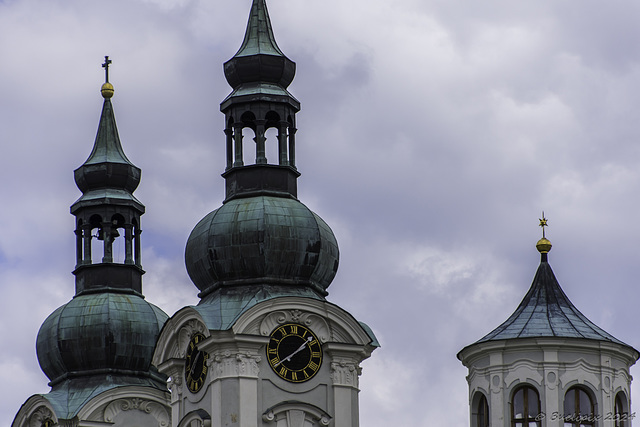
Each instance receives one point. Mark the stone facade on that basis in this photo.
(242, 389)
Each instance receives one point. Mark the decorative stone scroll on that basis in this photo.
(185, 333)
(231, 364)
(345, 372)
(318, 324)
(136, 404)
(296, 414)
(41, 416)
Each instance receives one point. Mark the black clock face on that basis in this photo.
(195, 368)
(294, 353)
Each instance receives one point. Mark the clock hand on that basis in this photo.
(195, 362)
(288, 358)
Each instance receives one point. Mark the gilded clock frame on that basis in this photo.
(294, 371)
(195, 383)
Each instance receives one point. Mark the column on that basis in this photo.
(128, 240)
(292, 146)
(86, 231)
(237, 134)
(78, 233)
(282, 143)
(261, 157)
(229, 133)
(107, 240)
(345, 373)
(137, 233)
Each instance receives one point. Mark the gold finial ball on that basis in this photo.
(543, 246)
(107, 90)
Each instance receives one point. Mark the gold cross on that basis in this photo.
(107, 61)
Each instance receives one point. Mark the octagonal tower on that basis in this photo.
(548, 364)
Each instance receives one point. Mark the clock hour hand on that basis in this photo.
(302, 346)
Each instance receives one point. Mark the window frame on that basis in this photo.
(481, 411)
(569, 418)
(620, 411)
(526, 419)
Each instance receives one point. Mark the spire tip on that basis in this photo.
(107, 88)
(543, 245)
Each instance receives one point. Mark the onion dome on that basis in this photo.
(259, 59)
(107, 165)
(262, 240)
(100, 333)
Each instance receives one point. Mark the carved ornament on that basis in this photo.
(314, 322)
(40, 416)
(296, 414)
(185, 333)
(345, 373)
(154, 409)
(232, 364)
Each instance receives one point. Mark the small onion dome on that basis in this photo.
(259, 59)
(543, 245)
(258, 68)
(262, 240)
(99, 333)
(107, 165)
(107, 90)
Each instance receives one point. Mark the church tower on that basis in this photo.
(548, 365)
(97, 348)
(263, 347)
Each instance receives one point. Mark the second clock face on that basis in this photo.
(294, 352)
(195, 368)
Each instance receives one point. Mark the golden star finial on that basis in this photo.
(543, 224)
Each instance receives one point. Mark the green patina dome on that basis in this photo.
(262, 240)
(101, 332)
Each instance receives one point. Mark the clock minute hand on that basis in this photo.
(302, 346)
(195, 361)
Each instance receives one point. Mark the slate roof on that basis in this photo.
(546, 311)
(221, 309)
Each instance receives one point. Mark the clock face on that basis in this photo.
(195, 368)
(294, 353)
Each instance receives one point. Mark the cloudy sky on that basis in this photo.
(432, 135)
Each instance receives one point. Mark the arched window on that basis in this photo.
(620, 411)
(482, 412)
(525, 407)
(578, 408)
